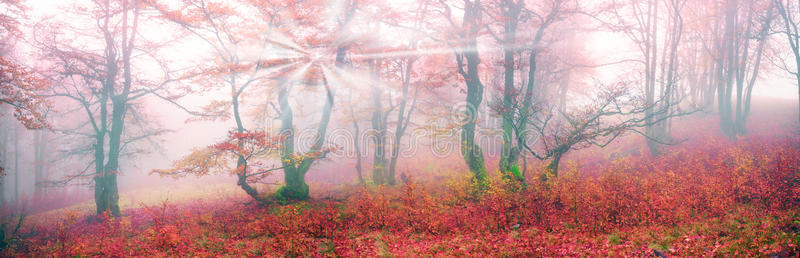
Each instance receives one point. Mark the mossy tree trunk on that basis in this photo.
(552, 168)
(294, 167)
(379, 162)
(119, 101)
(510, 153)
(470, 150)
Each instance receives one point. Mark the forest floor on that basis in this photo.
(706, 197)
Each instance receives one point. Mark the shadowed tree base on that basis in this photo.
(292, 193)
(106, 195)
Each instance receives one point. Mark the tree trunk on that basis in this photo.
(403, 118)
(739, 126)
(552, 169)
(3, 157)
(651, 63)
(99, 157)
(357, 146)
(563, 90)
(726, 111)
(110, 193)
(524, 165)
(390, 176)
(510, 153)
(16, 164)
(40, 150)
(379, 165)
(241, 163)
(791, 31)
(469, 149)
(296, 187)
(720, 85)
(379, 129)
(765, 27)
(294, 171)
(710, 88)
(668, 69)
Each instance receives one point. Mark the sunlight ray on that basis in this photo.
(297, 74)
(359, 78)
(433, 51)
(284, 42)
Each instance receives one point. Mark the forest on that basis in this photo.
(403, 128)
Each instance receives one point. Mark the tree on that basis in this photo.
(356, 143)
(250, 146)
(4, 139)
(612, 113)
(105, 70)
(404, 112)
(468, 60)
(104, 82)
(737, 63)
(522, 98)
(390, 63)
(19, 87)
(41, 151)
(280, 61)
(212, 22)
(18, 84)
(296, 166)
(16, 165)
(379, 120)
(792, 33)
(642, 22)
(509, 16)
(409, 67)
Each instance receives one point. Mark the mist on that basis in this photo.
(399, 128)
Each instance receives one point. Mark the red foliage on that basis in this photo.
(248, 143)
(720, 198)
(19, 88)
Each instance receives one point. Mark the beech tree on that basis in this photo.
(790, 17)
(656, 27)
(117, 25)
(393, 78)
(296, 166)
(738, 63)
(3, 155)
(284, 61)
(40, 163)
(520, 93)
(105, 82)
(212, 22)
(555, 130)
(613, 112)
(405, 109)
(19, 85)
(464, 38)
(379, 117)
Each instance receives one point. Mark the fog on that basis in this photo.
(109, 108)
